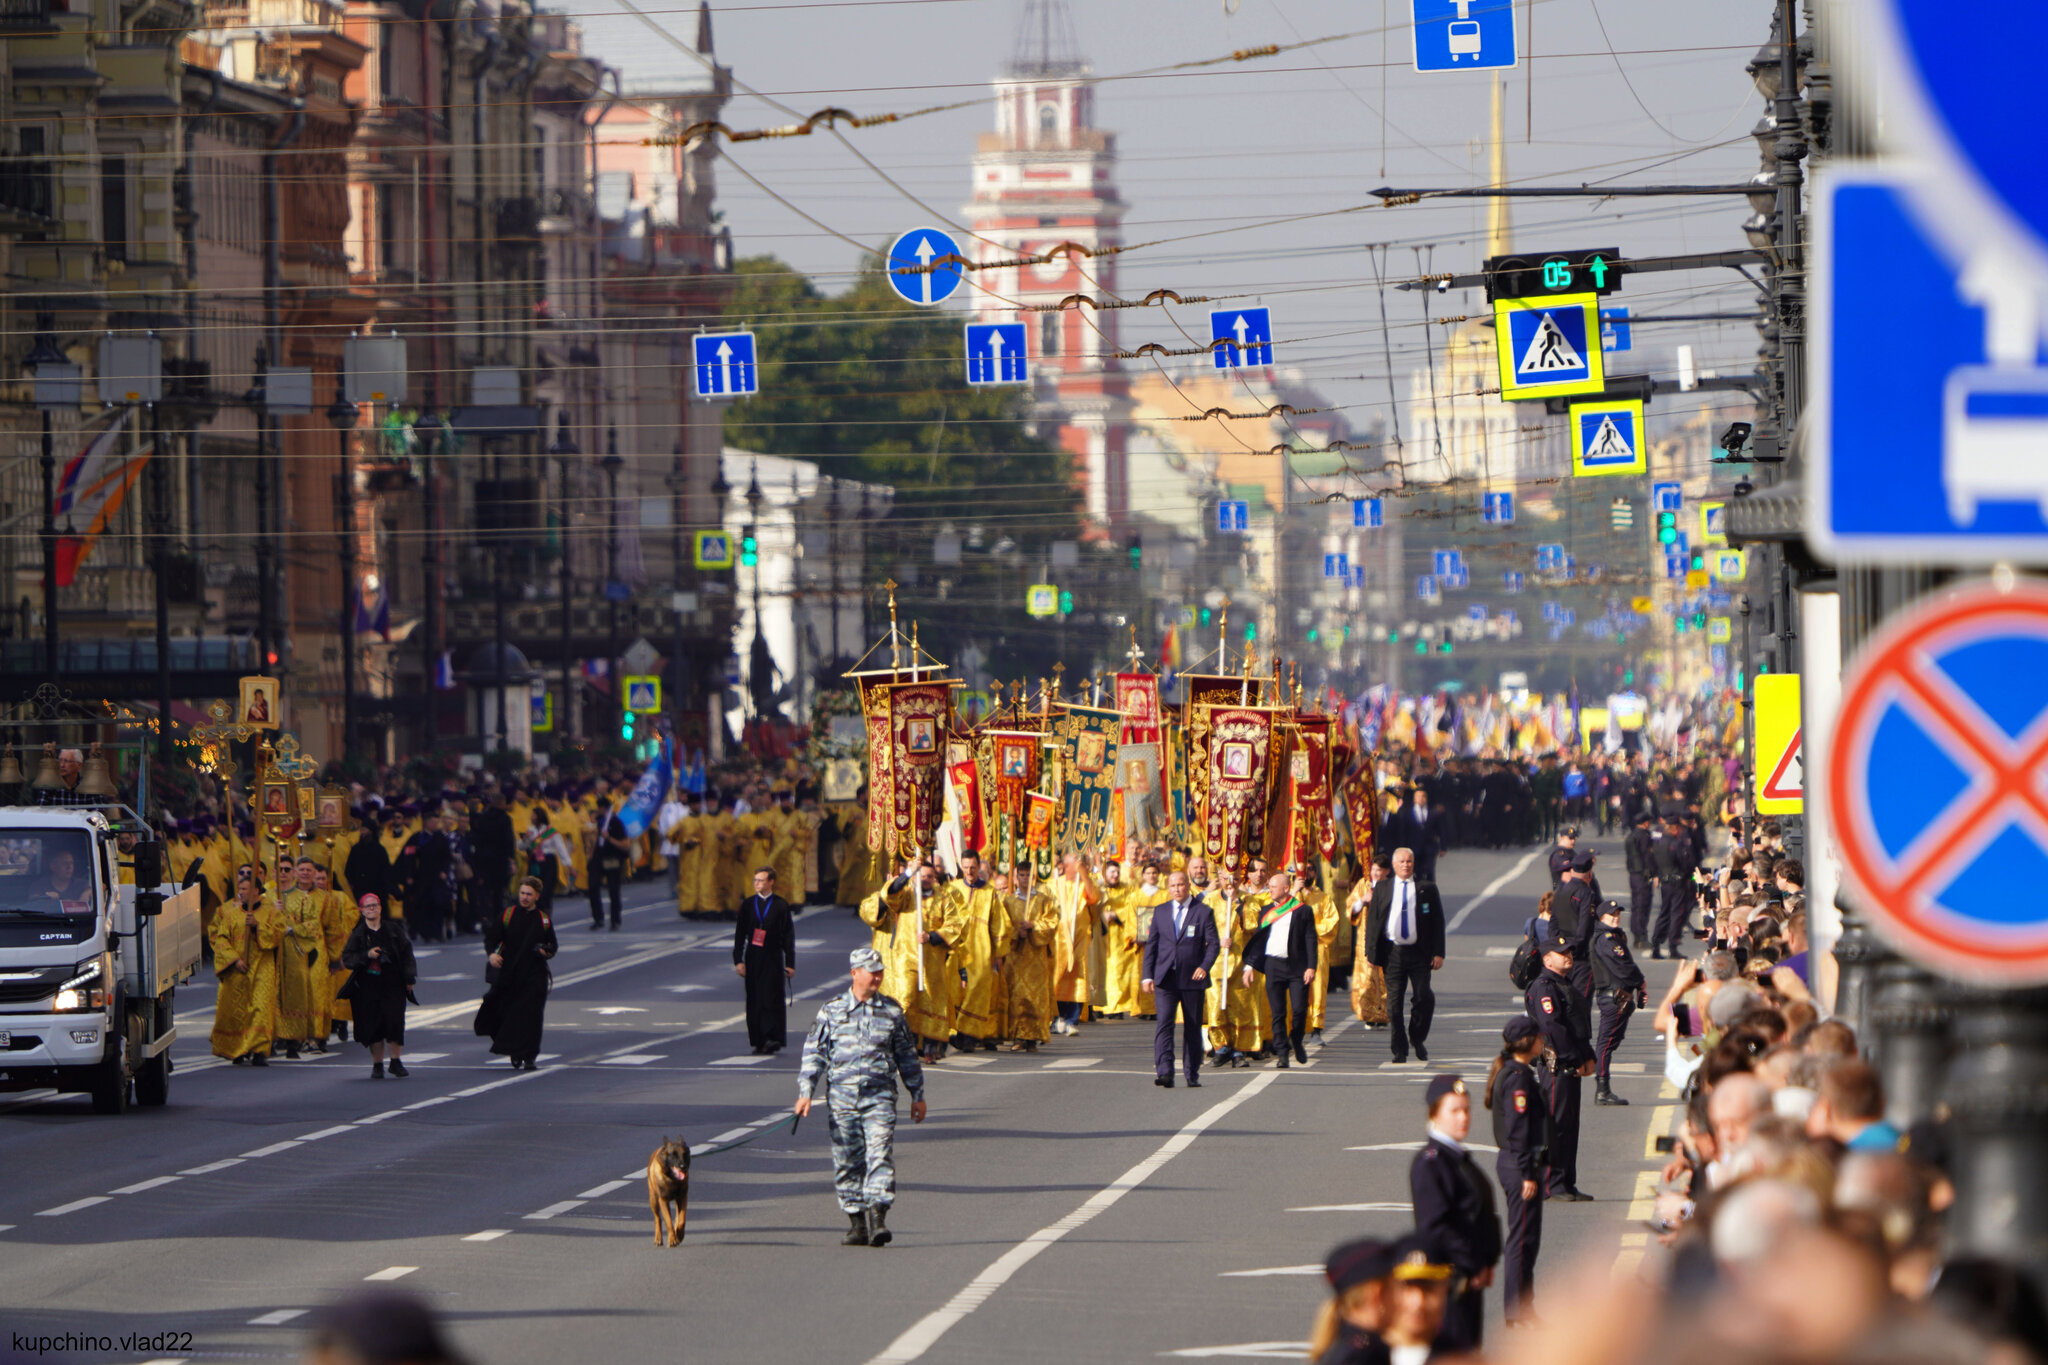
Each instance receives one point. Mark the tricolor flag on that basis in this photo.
(89, 493)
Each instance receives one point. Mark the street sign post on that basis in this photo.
(1780, 771)
(1667, 497)
(1249, 332)
(1426, 588)
(643, 694)
(1464, 35)
(1446, 563)
(1607, 437)
(1933, 784)
(1549, 347)
(1512, 579)
(1337, 566)
(1720, 630)
(712, 550)
(725, 364)
(1497, 509)
(1616, 334)
(1042, 599)
(1367, 513)
(1233, 517)
(1643, 606)
(1713, 523)
(995, 353)
(1729, 566)
(912, 272)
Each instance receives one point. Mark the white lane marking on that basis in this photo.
(1492, 888)
(1414, 1147)
(74, 1206)
(379, 1118)
(925, 1333)
(448, 976)
(1497, 951)
(632, 1059)
(810, 943)
(153, 1183)
(273, 1149)
(430, 1103)
(955, 1063)
(613, 1009)
(168, 1360)
(685, 990)
(1272, 1270)
(1352, 1208)
(1072, 1063)
(391, 1272)
(487, 1235)
(738, 1061)
(424, 1056)
(6, 1227)
(1250, 1350)
(551, 1210)
(335, 1131)
(729, 1135)
(278, 1318)
(210, 1167)
(600, 1191)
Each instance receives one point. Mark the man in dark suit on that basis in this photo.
(1404, 937)
(1283, 950)
(764, 956)
(1418, 826)
(1178, 955)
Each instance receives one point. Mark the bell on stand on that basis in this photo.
(11, 774)
(47, 776)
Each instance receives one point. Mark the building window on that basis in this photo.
(387, 229)
(1048, 122)
(1048, 334)
(114, 207)
(387, 60)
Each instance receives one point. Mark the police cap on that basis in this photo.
(1582, 861)
(1610, 907)
(1519, 1030)
(1440, 1086)
(1556, 943)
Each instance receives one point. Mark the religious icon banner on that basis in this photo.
(1087, 742)
(1014, 767)
(874, 710)
(1142, 804)
(918, 716)
(1238, 764)
(965, 784)
(1038, 821)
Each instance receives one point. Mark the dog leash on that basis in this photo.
(741, 1142)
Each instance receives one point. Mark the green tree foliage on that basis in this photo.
(874, 389)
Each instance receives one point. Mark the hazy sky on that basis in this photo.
(1659, 96)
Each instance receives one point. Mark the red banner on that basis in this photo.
(874, 710)
(1038, 823)
(918, 716)
(1238, 762)
(966, 783)
(1137, 696)
(1014, 768)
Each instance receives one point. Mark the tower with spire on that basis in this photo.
(1047, 176)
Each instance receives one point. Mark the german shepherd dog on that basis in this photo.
(668, 1189)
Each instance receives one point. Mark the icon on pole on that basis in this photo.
(1498, 509)
(1615, 332)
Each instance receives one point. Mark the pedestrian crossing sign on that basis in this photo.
(1730, 566)
(1713, 523)
(1549, 348)
(1607, 437)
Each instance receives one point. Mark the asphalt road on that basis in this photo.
(1057, 1201)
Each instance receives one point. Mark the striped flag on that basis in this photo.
(89, 493)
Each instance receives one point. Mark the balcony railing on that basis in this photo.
(26, 16)
(26, 184)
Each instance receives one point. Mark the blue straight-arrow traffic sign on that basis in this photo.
(1498, 509)
(725, 365)
(1233, 517)
(1249, 332)
(1337, 566)
(1464, 35)
(1513, 580)
(912, 272)
(1366, 512)
(995, 353)
(1426, 588)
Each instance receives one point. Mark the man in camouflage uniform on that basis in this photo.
(858, 1044)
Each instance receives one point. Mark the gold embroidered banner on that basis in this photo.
(1140, 809)
(1200, 690)
(874, 710)
(1038, 821)
(1308, 775)
(1087, 740)
(918, 716)
(1238, 761)
(1014, 768)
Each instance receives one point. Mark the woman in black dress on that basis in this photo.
(379, 956)
(520, 941)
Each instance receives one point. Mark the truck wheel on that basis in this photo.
(110, 1086)
(153, 1082)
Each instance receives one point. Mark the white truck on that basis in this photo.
(89, 967)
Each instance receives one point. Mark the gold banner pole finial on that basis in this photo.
(895, 651)
(1057, 690)
(1136, 653)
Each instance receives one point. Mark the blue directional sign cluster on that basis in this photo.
(1233, 516)
(1337, 566)
(1512, 580)
(1464, 35)
(995, 353)
(1367, 513)
(1476, 612)
(1427, 589)
(1498, 509)
(1550, 559)
(1446, 563)
(912, 273)
(1249, 334)
(725, 364)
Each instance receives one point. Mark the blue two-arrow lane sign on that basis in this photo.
(995, 353)
(725, 364)
(1249, 334)
(912, 273)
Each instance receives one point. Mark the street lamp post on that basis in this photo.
(57, 385)
(757, 687)
(564, 449)
(343, 415)
(497, 560)
(612, 586)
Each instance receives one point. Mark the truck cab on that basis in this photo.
(89, 963)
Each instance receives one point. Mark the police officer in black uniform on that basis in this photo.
(1565, 1017)
(1639, 851)
(1675, 862)
(1454, 1211)
(1619, 990)
(1561, 856)
(1522, 1131)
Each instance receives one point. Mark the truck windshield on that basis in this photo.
(46, 872)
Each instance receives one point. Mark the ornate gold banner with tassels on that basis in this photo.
(1237, 760)
(1086, 739)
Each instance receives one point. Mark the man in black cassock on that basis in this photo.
(520, 940)
(763, 940)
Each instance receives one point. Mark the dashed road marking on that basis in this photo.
(739, 1061)
(560, 1207)
(74, 1206)
(1272, 1270)
(273, 1149)
(335, 1131)
(391, 1272)
(139, 1186)
(600, 1191)
(210, 1167)
(631, 1059)
(487, 1235)
(1352, 1208)
(1072, 1063)
(277, 1318)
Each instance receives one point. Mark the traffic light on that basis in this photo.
(626, 723)
(1313, 634)
(1699, 620)
(1444, 648)
(1251, 631)
(1698, 562)
(1206, 614)
(1422, 646)
(1066, 602)
(1628, 677)
(1681, 625)
(750, 550)
(1137, 556)
(1667, 528)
